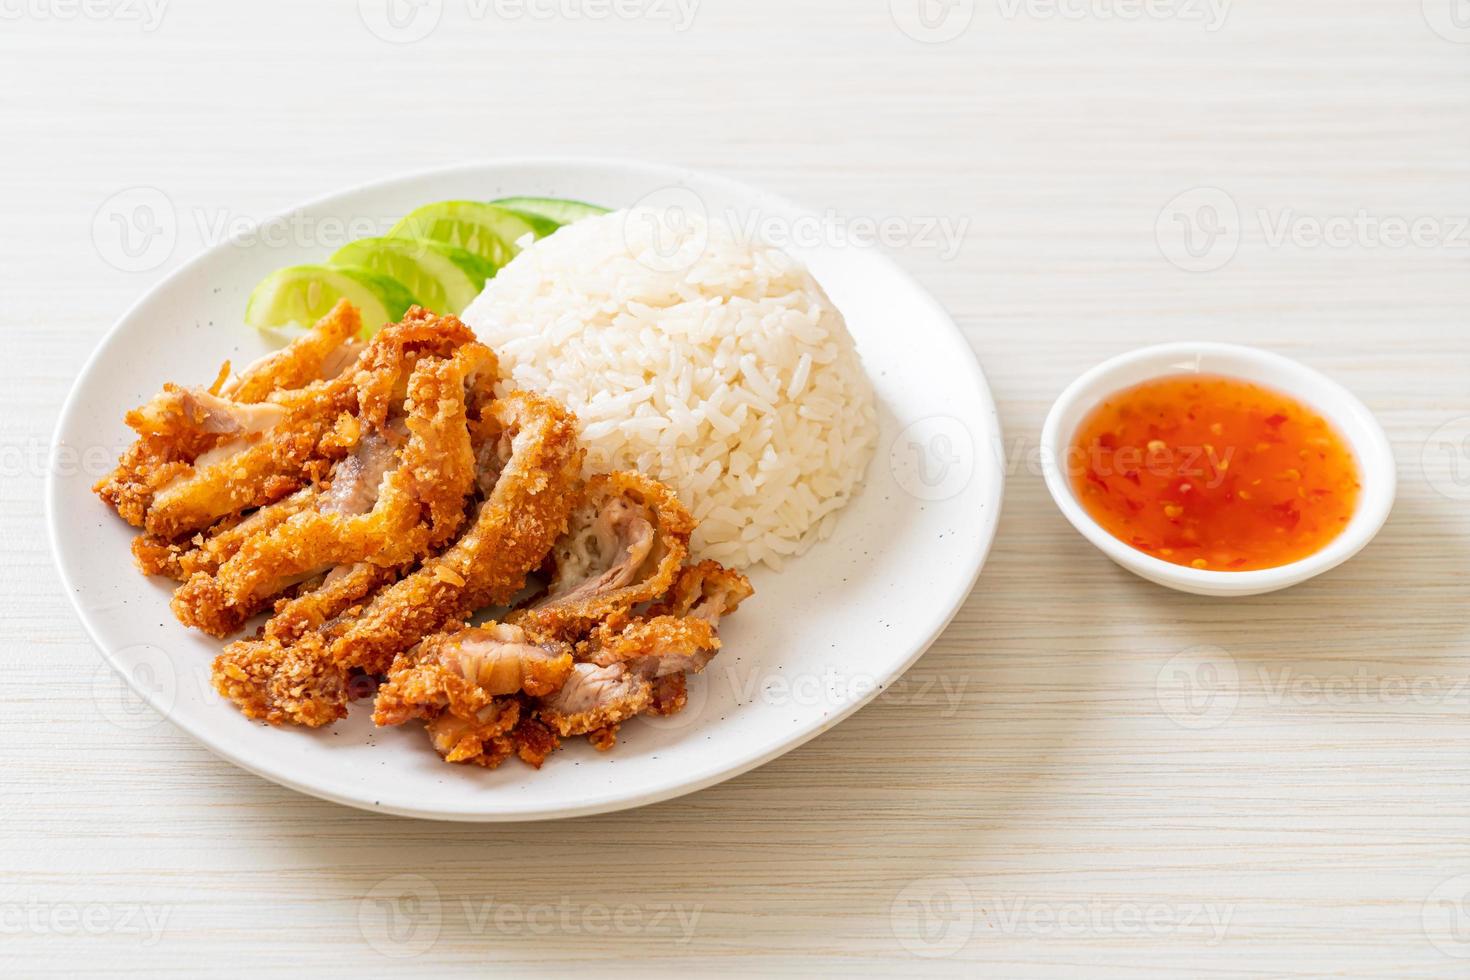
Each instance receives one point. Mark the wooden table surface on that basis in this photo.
(1087, 775)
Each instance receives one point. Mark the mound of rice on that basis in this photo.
(716, 365)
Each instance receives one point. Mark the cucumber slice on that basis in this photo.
(549, 212)
(442, 278)
(543, 225)
(481, 229)
(303, 294)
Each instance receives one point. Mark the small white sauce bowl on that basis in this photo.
(1332, 401)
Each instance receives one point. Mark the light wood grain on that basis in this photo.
(1030, 769)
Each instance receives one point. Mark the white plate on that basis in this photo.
(820, 639)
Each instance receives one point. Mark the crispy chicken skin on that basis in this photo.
(485, 738)
(705, 591)
(207, 551)
(453, 680)
(340, 593)
(631, 666)
(179, 481)
(464, 670)
(525, 511)
(625, 668)
(323, 352)
(374, 495)
(283, 682)
(626, 541)
(595, 698)
(179, 425)
(384, 505)
(654, 648)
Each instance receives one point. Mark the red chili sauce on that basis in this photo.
(1214, 473)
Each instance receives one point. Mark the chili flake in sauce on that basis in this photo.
(1214, 473)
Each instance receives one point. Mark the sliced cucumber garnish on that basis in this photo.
(442, 278)
(483, 230)
(303, 294)
(549, 213)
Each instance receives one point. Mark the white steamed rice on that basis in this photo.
(716, 365)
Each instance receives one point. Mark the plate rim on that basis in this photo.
(719, 772)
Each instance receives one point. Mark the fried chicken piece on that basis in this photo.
(526, 510)
(284, 676)
(654, 648)
(456, 680)
(464, 670)
(537, 468)
(484, 739)
(706, 591)
(385, 505)
(283, 683)
(181, 424)
(679, 633)
(341, 592)
(323, 352)
(624, 546)
(206, 551)
(595, 697)
(197, 420)
(670, 695)
(534, 740)
(319, 424)
(628, 667)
